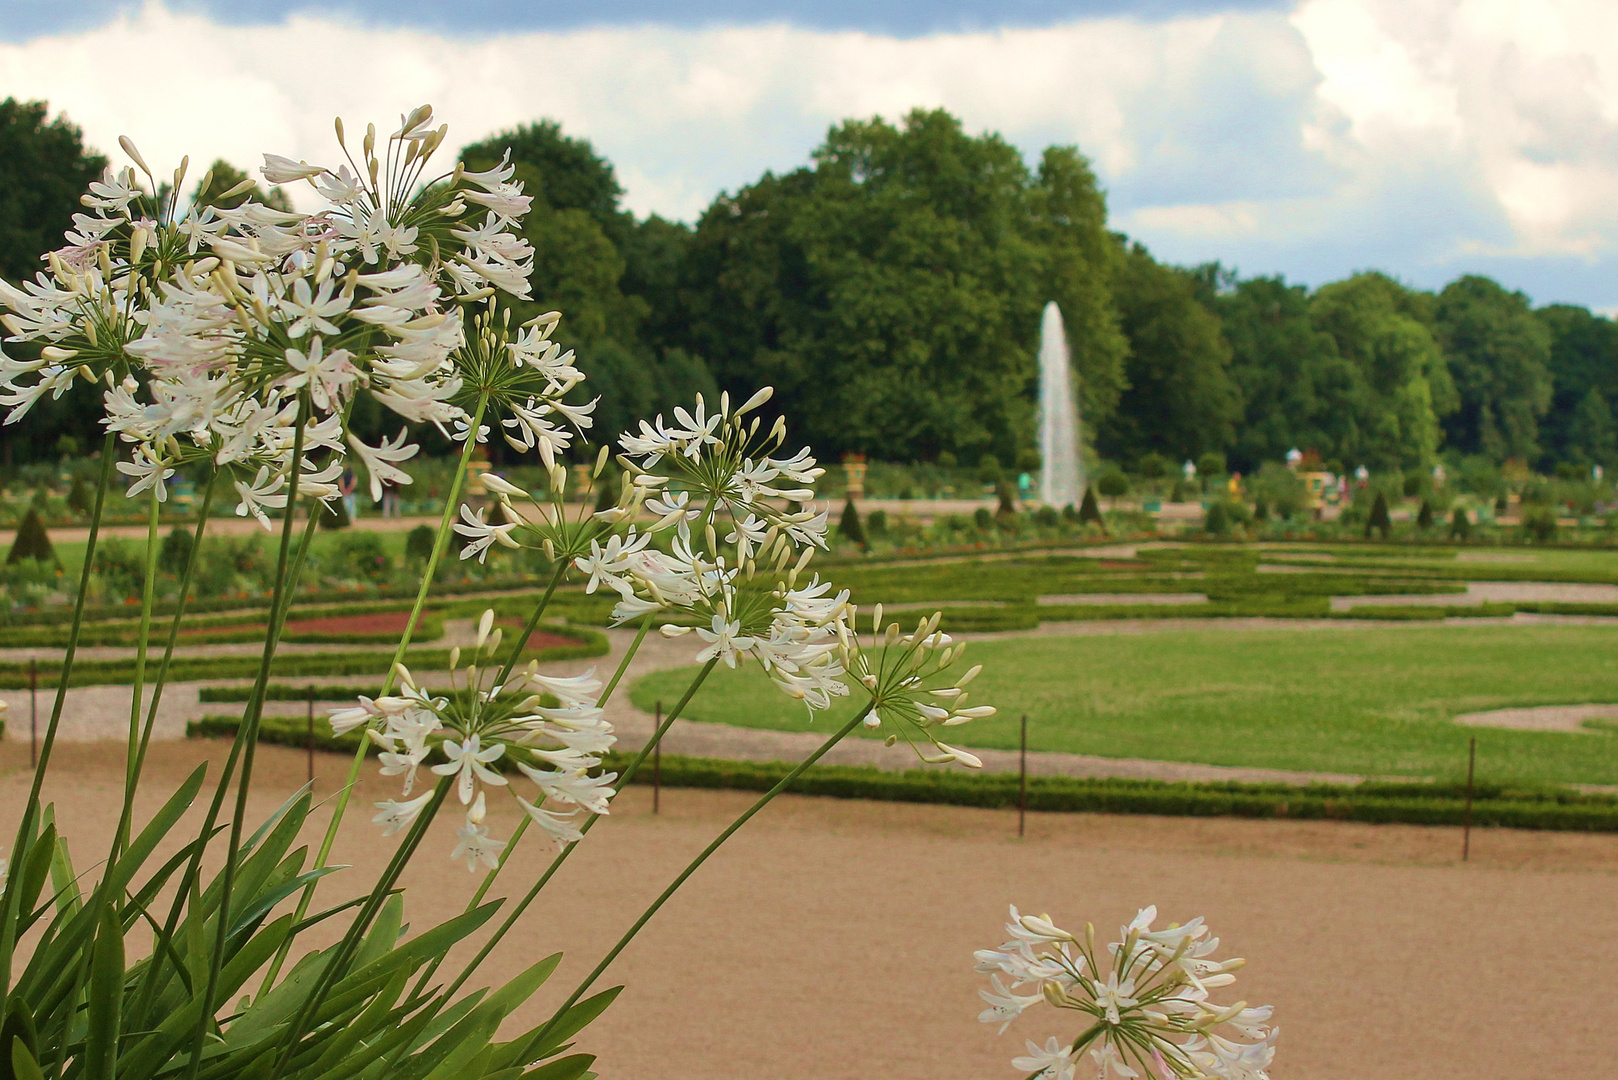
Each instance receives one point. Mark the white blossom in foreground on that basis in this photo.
(913, 685)
(546, 729)
(1146, 998)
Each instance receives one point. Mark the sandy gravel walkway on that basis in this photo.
(1541, 718)
(832, 940)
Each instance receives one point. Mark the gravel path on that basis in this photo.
(1541, 718)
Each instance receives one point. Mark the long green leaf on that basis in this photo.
(106, 998)
(540, 1043)
(23, 1065)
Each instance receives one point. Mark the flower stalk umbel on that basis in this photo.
(1146, 1000)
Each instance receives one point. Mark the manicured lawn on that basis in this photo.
(1369, 701)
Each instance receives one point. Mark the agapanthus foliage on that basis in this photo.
(1144, 1002)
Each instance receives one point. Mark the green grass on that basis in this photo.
(1365, 701)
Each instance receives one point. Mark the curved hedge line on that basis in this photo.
(1374, 803)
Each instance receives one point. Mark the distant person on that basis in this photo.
(346, 487)
(390, 499)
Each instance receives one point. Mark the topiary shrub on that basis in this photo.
(982, 518)
(1216, 522)
(850, 527)
(175, 554)
(876, 523)
(1113, 484)
(1046, 517)
(1412, 485)
(1070, 515)
(1261, 509)
(988, 469)
(333, 515)
(606, 490)
(1460, 526)
(1500, 505)
(78, 496)
(1539, 523)
(1379, 520)
(1089, 511)
(1178, 495)
(419, 544)
(32, 541)
(1424, 517)
(360, 555)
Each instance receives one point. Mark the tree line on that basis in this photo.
(891, 287)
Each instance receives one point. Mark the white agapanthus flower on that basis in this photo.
(549, 729)
(1146, 997)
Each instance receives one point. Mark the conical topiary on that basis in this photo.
(1460, 526)
(1424, 516)
(1379, 520)
(1261, 509)
(419, 543)
(1217, 520)
(78, 496)
(175, 553)
(334, 514)
(850, 527)
(1089, 510)
(606, 491)
(32, 541)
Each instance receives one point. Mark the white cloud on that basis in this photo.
(1421, 135)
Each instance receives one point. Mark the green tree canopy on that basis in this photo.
(1499, 355)
(891, 291)
(44, 168)
(1397, 386)
(1180, 398)
(1297, 391)
(1584, 357)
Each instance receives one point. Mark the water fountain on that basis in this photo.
(1059, 481)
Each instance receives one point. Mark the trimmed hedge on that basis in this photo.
(14, 674)
(288, 692)
(1376, 803)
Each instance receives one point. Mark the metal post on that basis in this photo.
(657, 763)
(1022, 782)
(309, 734)
(33, 713)
(1471, 766)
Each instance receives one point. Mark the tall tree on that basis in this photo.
(1180, 399)
(892, 290)
(610, 275)
(44, 168)
(1397, 384)
(1584, 357)
(1296, 390)
(1499, 356)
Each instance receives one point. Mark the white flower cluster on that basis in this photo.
(746, 596)
(1147, 998)
(218, 326)
(550, 729)
(913, 685)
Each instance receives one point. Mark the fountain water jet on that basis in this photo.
(1059, 481)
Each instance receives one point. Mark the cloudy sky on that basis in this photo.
(1311, 138)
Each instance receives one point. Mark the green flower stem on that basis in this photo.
(646, 916)
(247, 735)
(20, 847)
(561, 857)
(138, 691)
(440, 542)
(174, 625)
(522, 825)
(533, 622)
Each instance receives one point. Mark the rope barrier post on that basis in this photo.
(33, 713)
(1471, 767)
(1022, 782)
(309, 734)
